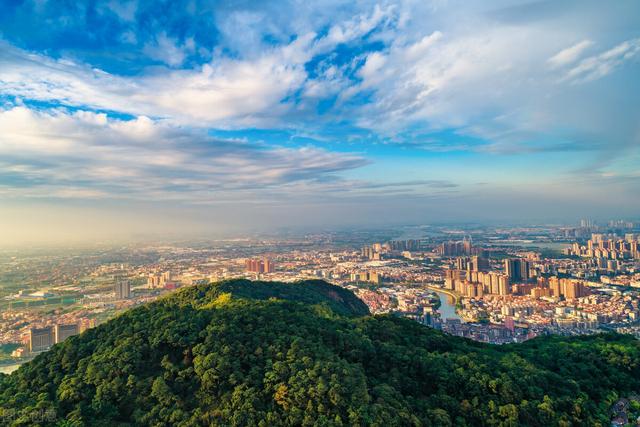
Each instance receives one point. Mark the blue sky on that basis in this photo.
(139, 116)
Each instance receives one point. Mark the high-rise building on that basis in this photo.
(474, 263)
(504, 285)
(165, 278)
(462, 263)
(452, 248)
(41, 339)
(260, 265)
(467, 246)
(567, 288)
(122, 289)
(517, 269)
(403, 245)
(554, 285)
(268, 266)
(374, 277)
(153, 281)
(366, 276)
(479, 263)
(539, 292)
(586, 223)
(574, 289)
(62, 332)
(511, 269)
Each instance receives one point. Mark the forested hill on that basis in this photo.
(249, 353)
(340, 300)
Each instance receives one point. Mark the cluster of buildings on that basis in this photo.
(42, 339)
(417, 303)
(16, 327)
(458, 248)
(602, 308)
(608, 249)
(568, 289)
(488, 332)
(505, 292)
(471, 279)
(371, 253)
(259, 265)
(423, 305)
(477, 283)
(378, 302)
(377, 251)
(159, 280)
(366, 277)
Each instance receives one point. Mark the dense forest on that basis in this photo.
(241, 353)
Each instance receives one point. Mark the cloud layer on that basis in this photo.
(268, 102)
(85, 154)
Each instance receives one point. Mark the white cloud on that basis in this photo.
(126, 10)
(569, 55)
(356, 27)
(227, 92)
(598, 66)
(440, 79)
(63, 154)
(168, 50)
(484, 84)
(431, 70)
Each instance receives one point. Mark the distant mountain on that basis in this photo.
(241, 353)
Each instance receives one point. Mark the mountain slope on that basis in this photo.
(339, 300)
(243, 353)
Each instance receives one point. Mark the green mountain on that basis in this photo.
(242, 353)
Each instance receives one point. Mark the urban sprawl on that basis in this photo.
(491, 284)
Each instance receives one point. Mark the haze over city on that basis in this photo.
(212, 118)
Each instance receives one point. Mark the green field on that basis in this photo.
(61, 301)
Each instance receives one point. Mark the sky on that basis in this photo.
(182, 118)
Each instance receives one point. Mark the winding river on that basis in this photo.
(447, 308)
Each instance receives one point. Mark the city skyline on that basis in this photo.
(118, 121)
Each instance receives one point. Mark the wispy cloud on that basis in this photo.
(168, 50)
(230, 93)
(603, 64)
(85, 153)
(570, 54)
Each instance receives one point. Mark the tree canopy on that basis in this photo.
(241, 353)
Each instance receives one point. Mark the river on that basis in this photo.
(447, 308)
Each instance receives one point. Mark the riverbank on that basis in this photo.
(7, 369)
(448, 292)
(448, 300)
